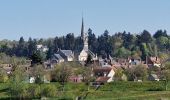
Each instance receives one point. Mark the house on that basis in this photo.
(120, 63)
(105, 74)
(153, 61)
(76, 79)
(8, 69)
(48, 65)
(57, 58)
(62, 56)
(104, 63)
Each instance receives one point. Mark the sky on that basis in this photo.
(50, 18)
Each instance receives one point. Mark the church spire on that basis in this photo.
(82, 28)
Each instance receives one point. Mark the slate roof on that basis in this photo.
(57, 56)
(67, 53)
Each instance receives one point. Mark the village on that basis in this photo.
(38, 69)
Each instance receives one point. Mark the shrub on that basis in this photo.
(49, 90)
(34, 91)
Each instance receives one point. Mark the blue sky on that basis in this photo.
(50, 18)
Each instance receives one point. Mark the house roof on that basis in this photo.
(102, 79)
(103, 69)
(7, 69)
(57, 56)
(67, 53)
(154, 76)
(154, 59)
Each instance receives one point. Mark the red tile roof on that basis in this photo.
(104, 69)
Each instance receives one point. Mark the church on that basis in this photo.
(85, 51)
(69, 55)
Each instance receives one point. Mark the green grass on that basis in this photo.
(110, 91)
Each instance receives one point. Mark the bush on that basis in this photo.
(49, 90)
(34, 91)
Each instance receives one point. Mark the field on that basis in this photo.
(110, 91)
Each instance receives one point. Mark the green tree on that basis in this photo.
(160, 33)
(31, 46)
(38, 73)
(145, 37)
(37, 58)
(123, 53)
(49, 90)
(34, 91)
(62, 72)
(166, 77)
(137, 72)
(118, 75)
(17, 83)
(162, 42)
(69, 41)
(3, 75)
(89, 60)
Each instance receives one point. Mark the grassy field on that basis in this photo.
(111, 91)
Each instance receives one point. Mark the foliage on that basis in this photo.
(38, 73)
(37, 58)
(123, 53)
(3, 75)
(118, 75)
(62, 72)
(138, 45)
(34, 91)
(137, 72)
(16, 83)
(48, 90)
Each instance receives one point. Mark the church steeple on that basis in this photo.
(82, 29)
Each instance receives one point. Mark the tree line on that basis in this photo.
(121, 44)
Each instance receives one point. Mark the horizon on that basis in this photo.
(45, 19)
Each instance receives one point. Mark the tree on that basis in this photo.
(3, 75)
(34, 91)
(49, 90)
(166, 77)
(93, 43)
(51, 50)
(69, 41)
(123, 53)
(162, 42)
(145, 37)
(38, 73)
(16, 83)
(116, 42)
(89, 60)
(62, 72)
(21, 48)
(118, 75)
(145, 51)
(160, 33)
(137, 72)
(37, 58)
(55, 44)
(31, 46)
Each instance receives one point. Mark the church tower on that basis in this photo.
(84, 37)
(84, 53)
